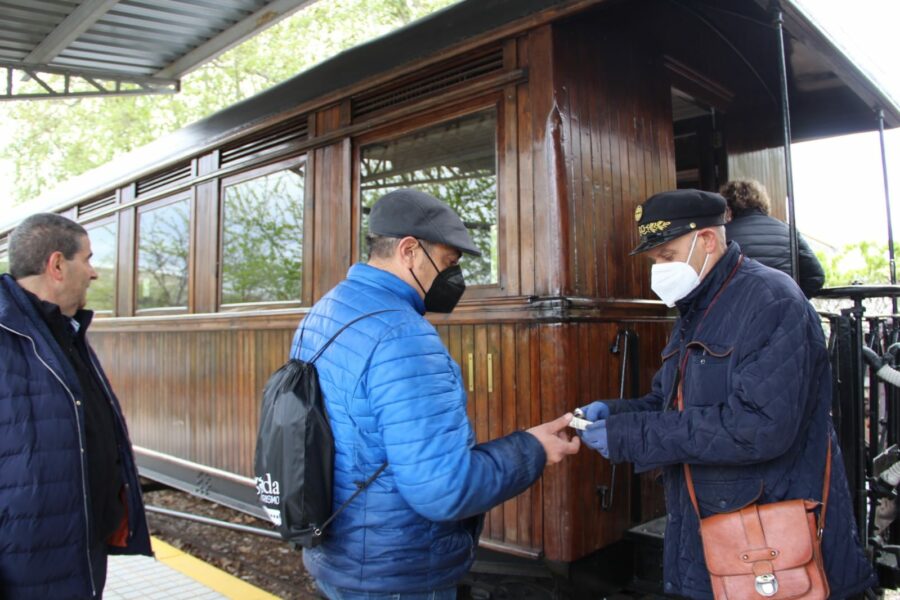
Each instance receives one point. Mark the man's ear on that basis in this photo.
(53, 267)
(709, 240)
(406, 250)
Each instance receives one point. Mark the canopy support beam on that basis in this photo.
(41, 81)
(786, 124)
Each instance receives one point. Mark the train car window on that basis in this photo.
(101, 296)
(162, 248)
(4, 262)
(456, 162)
(262, 237)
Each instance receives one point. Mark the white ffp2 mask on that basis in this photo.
(672, 281)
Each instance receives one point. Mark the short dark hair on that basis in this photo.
(744, 195)
(39, 236)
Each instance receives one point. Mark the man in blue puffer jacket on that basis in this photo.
(69, 491)
(393, 394)
(756, 388)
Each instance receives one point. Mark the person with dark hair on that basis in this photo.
(69, 490)
(764, 238)
(395, 397)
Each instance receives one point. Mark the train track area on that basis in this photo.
(267, 563)
(271, 565)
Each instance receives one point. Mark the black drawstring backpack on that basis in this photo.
(294, 462)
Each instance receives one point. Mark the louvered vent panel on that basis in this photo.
(91, 207)
(164, 179)
(445, 76)
(266, 141)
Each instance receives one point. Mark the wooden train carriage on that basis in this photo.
(544, 123)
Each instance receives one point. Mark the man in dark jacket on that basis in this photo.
(394, 395)
(765, 238)
(756, 390)
(69, 492)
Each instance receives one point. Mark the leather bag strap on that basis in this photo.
(826, 485)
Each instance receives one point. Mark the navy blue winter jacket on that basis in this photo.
(44, 503)
(393, 394)
(757, 394)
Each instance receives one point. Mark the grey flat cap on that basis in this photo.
(410, 212)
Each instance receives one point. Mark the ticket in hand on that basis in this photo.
(578, 421)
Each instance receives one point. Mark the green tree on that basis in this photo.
(53, 140)
(863, 262)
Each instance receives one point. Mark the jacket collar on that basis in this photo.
(382, 279)
(19, 313)
(703, 294)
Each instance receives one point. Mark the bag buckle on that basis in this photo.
(766, 585)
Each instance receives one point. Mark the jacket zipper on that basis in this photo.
(81, 447)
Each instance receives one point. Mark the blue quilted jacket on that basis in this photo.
(757, 394)
(44, 506)
(393, 394)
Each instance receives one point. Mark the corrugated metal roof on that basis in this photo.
(148, 43)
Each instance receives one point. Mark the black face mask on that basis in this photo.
(446, 290)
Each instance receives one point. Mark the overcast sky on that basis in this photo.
(838, 183)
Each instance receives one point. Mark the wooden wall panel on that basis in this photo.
(542, 205)
(767, 167)
(332, 204)
(619, 147)
(194, 395)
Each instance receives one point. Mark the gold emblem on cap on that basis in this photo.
(693, 226)
(654, 227)
(638, 212)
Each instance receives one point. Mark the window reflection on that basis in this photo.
(163, 238)
(101, 295)
(262, 238)
(454, 162)
(4, 262)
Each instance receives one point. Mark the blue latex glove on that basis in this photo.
(595, 437)
(596, 411)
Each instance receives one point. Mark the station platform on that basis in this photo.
(173, 575)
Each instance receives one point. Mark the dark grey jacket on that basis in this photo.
(768, 240)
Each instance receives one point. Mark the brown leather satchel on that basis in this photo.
(766, 550)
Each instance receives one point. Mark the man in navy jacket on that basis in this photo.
(69, 491)
(393, 394)
(756, 387)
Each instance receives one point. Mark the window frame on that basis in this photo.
(256, 172)
(184, 195)
(106, 220)
(507, 209)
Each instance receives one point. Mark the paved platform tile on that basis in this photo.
(173, 575)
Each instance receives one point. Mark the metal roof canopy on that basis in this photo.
(66, 48)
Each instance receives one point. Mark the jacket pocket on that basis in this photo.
(450, 538)
(706, 374)
(717, 492)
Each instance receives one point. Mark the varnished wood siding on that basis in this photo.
(618, 147)
(767, 167)
(194, 394)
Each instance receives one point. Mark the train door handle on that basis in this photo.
(490, 373)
